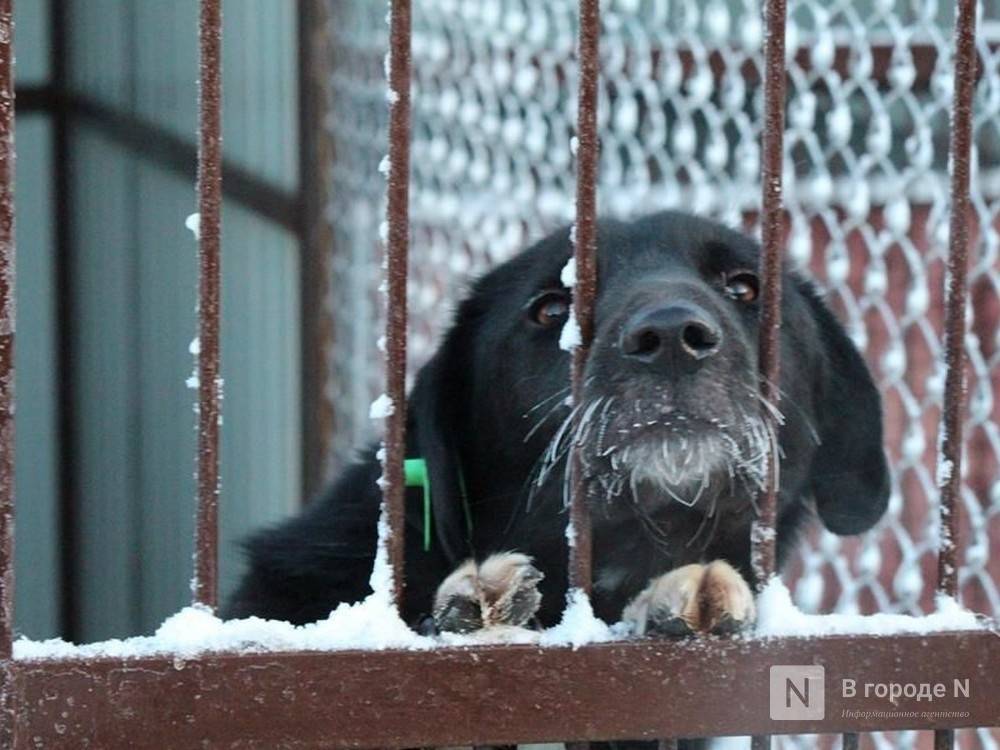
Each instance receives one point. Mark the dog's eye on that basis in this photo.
(743, 286)
(549, 308)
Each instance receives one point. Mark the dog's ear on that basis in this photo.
(436, 405)
(849, 476)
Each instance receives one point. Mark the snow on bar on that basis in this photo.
(373, 624)
(780, 617)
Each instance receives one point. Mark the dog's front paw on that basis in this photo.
(711, 598)
(501, 590)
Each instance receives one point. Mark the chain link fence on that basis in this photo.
(866, 186)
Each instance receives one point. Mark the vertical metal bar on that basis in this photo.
(849, 741)
(950, 458)
(770, 268)
(763, 534)
(944, 739)
(209, 261)
(397, 250)
(7, 329)
(585, 254)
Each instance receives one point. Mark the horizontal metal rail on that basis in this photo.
(493, 694)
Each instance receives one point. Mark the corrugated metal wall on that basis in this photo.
(133, 290)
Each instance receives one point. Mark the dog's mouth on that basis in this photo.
(646, 453)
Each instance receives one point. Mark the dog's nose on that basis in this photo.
(678, 330)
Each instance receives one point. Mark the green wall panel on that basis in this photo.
(137, 284)
(36, 452)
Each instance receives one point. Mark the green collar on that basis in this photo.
(416, 475)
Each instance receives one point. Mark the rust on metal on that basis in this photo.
(585, 255)
(763, 547)
(397, 251)
(7, 329)
(950, 458)
(209, 301)
(770, 269)
(647, 689)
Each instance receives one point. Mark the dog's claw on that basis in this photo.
(668, 625)
(711, 598)
(502, 590)
(458, 615)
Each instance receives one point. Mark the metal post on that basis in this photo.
(950, 458)
(397, 250)
(585, 254)
(209, 300)
(7, 328)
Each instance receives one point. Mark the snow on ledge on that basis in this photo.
(778, 616)
(579, 626)
(369, 625)
(373, 624)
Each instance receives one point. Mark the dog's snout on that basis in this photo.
(679, 330)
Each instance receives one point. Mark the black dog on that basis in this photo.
(674, 450)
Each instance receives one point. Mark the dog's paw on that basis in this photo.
(711, 598)
(502, 590)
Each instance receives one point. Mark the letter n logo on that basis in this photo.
(798, 693)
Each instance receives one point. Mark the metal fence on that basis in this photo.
(488, 694)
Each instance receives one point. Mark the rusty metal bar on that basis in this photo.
(770, 268)
(950, 458)
(944, 739)
(206, 590)
(397, 250)
(8, 712)
(763, 555)
(7, 327)
(479, 695)
(585, 254)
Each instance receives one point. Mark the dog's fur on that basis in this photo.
(674, 451)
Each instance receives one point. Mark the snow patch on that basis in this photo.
(579, 626)
(373, 624)
(382, 407)
(944, 469)
(369, 624)
(193, 223)
(778, 616)
(568, 274)
(570, 337)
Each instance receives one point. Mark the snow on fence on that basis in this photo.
(361, 679)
